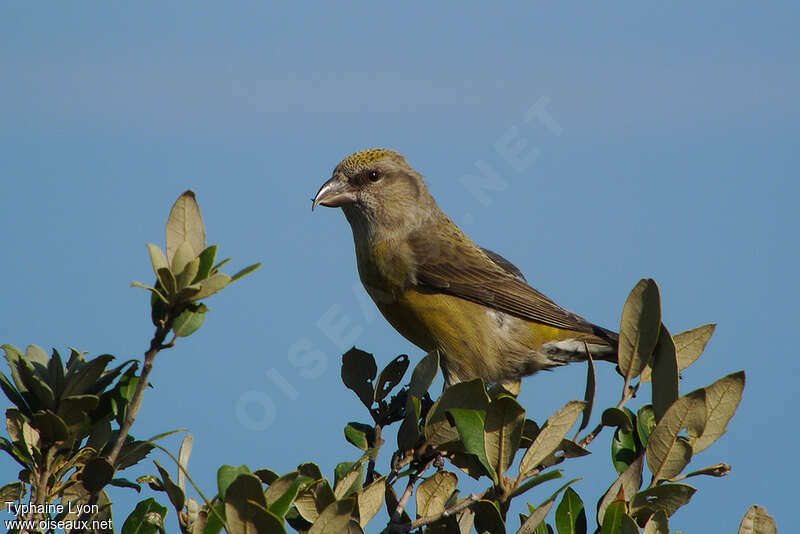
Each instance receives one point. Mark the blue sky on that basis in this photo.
(668, 150)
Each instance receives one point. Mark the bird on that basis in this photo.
(443, 292)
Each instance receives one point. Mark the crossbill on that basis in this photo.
(442, 291)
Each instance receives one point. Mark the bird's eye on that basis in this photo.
(374, 176)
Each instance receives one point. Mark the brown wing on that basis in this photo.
(459, 267)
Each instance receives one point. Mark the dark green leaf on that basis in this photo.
(360, 435)
(240, 514)
(538, 479)
(645, 423)
(96, 474)
(55, 372)
(83, 381)
(570, 515)
(226, 475)
(470, 425)
(176, 495)
(281, 493)
(665, 373)
(464, 395)
(189, 320)
(615, 417)
(623, 450)
(423, 375)
(146, 518)
(488, 518)
(14, 395)
(408, 434)
(206, 258)
(502, 432)
(125, 483)
(358, 374)
(667, 497)
(267, 476)
(50, 426)
(588, 396)
(391, 375)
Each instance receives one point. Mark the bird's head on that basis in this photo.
(376, 187)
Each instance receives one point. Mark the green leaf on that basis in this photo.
(281, 493)
(638, 331)
(41, 392)
(588, 396)
(537, 480)
(488, 518)
(615, 417)
(313, 499)
(125, 483)
(349, 479)
(391, 375)
(434, 491)
(360, 435)
(335, 517)
(408, 434)
(470, 425)
(226, 474)
(267, 476)
(157, 258)
(665, 373)
(96, 474)
(645, 423)
(623, 450)
(245, 507)
(666, 497)
(657, 524)
(176, 495)
(83, 380)
(464, 395)
(667, 452)
(167, 281)
(13, 394)
(612, 523)
(184, 255)
(358, 374)
(570, 515)
(310, 470)
(186, 276)
(550, 436)
(423, 374)
(628, 483)
(212, 285)
(502, 432)
(757, 521)
(50, 426)
(55, 371)
(206, 258)
(689, 346)
(540, 512)
(13, 492)
(370, 500)
(146, 518)
(722, 399)
(185, 224)
(189, 320)
(244, 272)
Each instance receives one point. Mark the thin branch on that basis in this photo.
(396, 528)
(156, 345)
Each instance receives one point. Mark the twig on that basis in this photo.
(396, 528)
(156, 345)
